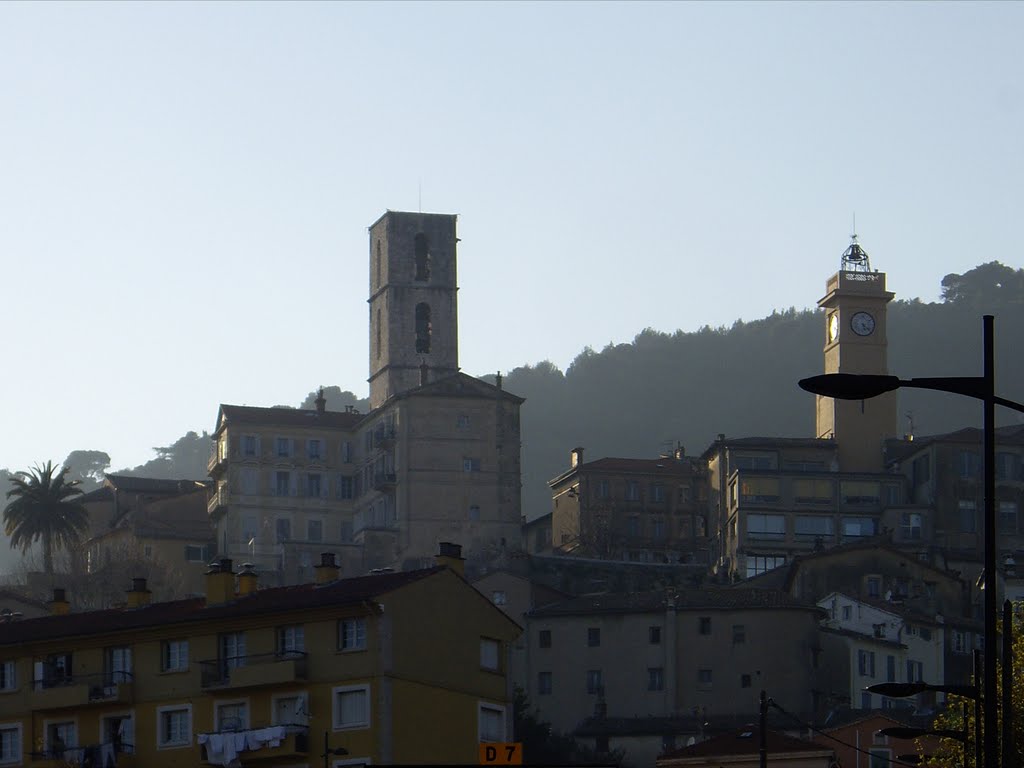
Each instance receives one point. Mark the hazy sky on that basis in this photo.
(185, 188)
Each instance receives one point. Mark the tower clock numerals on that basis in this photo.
(833, 326)
(862, 323)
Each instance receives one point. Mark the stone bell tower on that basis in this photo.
(855, 304)
(413, 302)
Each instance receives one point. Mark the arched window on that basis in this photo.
(378, 333)
(423, 327)
(422, 250)
(378, 263)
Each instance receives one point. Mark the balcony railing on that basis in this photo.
(264, 746)
(218, 500)
(253, 670)
(384, 480)
(58, 691)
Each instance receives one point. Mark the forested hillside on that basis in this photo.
(644, 397)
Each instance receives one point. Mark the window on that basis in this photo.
(593, 637)
(231, 716)
(474, 512)
(352, 634)
(313, 485)
(1007, 466)
(345, 487)
(910, 525)
(657, 492)
(755, 462)
(7, 677)
(704, 625)
(921, 470)
(291, 640)
(470, 464)
(249, 481)
(498, 597)
(314, 449)
(970, 464)
(421, 252)
(544, 638)
(744, 681)
(232, 652)
(874, 586)
(175, 726)
(655, 679)
(865, 700)
(658, 528)
(968, 516)
(890, 669)
(250, 446)
(854, 527)
(759, 490)
(423, 329)
(462, 421)
(1006, 522)
(602, 490)
(491, 722)
(866, 663)
(739, 634)
(813, 491)
(61, 736)
(291, 709)
(757, 564)
(813, 527)
(10, 744)
(633, 526)
(283, 528)
(282, 483)
(543, 683)
(346, 451)
(847, 612)
(314, 530)
(174, 656)
(490, 658)
(704, 679)
(859, 492)
(351, 706)
(961, 641)
(915, 671)
(594, 681)
(632, 490)
(766, 527)
(654, 635)
(195, 553)
(118, 665)
(283, 447)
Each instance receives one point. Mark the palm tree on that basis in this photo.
(43, 506)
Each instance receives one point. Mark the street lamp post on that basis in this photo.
(852, 386)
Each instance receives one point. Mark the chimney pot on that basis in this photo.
(59, 595)
(138, 585)
(450, 555)
(328, 570)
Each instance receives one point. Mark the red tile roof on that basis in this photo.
(265, 601)
(745, 742)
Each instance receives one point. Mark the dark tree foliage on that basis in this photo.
(185, 458)
(544, 746)
(87, 467)
(336, 400)
(985, 284)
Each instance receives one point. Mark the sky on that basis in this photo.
(185, 188)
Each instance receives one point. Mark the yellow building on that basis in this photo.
(393, 667)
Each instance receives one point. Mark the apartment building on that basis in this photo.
(437, 457)
(393, 668)
(642, 510)
(664, 654)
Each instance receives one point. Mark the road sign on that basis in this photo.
(497, 753)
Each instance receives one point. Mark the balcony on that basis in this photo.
(383, 481)
(75, 692)
(385, 437)
(218, 502)
(92, 754)
(265, 669)
(216, 462)
(265, 746)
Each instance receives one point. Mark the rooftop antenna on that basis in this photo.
(855, 258)
(419, 195)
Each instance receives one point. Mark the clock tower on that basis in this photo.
(855, 305)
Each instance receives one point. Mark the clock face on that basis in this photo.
(833, 326)
(862, 324)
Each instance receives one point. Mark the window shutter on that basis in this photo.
(293, 479)
(295, 447)
(258, 451)
(325, 486)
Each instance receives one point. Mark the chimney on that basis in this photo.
(321, 401)
(450, 556)
(497, 380)
(328, 569)
(248, 580)
(576, 457)
(138, 595)
(220, 582)
(59, 606)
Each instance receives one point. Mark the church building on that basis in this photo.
(436, 459)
